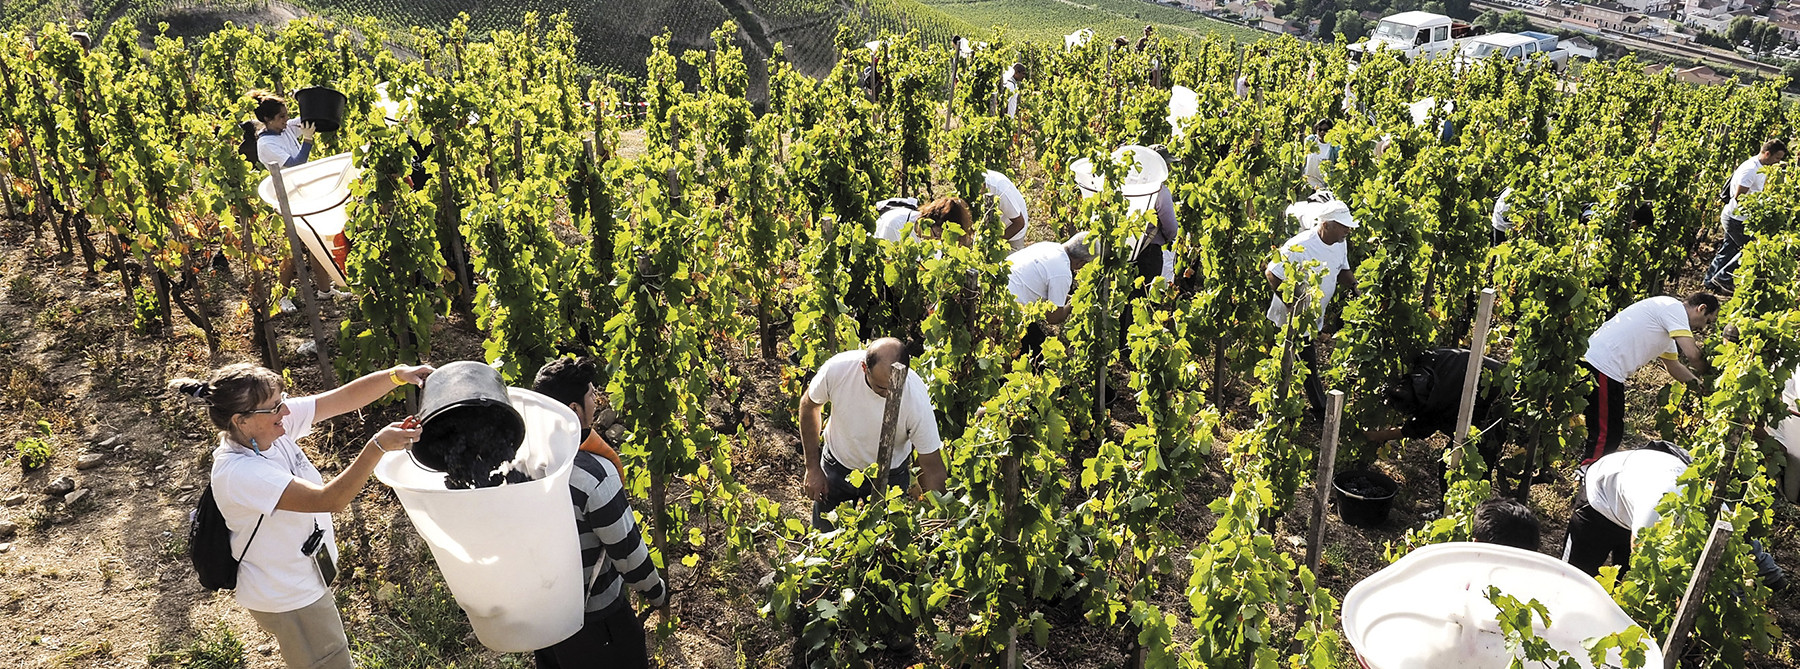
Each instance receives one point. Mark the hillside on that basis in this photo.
(1046, 21)
(614, 34)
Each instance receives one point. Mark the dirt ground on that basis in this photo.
(104, 581)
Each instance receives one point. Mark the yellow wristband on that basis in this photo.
(394, 375)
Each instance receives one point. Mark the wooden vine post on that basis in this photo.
(1676, 645)
(1465, 409)
(309, 306)
(449, 215)
(890, 422)
(1009, 501)
(1328, 443)
(1722, 477)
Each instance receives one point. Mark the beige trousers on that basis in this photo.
(311, 637)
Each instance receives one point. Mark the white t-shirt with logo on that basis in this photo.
(890, 223)
(853, 432)
(1332, 258)
(1626, 486)
(1637, 335)
(274, 577)
(1040, 272)
(1010, 201)
(1748, 176)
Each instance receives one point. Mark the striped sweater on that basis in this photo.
(610, 542)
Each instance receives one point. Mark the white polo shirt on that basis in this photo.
(1639, 334)
(1040, 272)
(853, 432)
(274, 576)
(1332, 258)
(1626, 486)
(1010, 201)
(1748, 175)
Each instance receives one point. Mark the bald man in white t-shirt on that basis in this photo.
(856, 384)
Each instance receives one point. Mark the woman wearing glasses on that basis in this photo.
(277, 504)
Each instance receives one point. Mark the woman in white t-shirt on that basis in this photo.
(281, 142)
(277, 504)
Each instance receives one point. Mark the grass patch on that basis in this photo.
(217, 647)
(420, 628)
(26, 289)
(174, 547)
(87, 650)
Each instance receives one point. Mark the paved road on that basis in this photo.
(1702, 53)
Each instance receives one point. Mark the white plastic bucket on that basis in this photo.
(509, 553)
(1430, 610)
(317, 192)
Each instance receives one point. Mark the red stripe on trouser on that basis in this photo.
(1605, 415)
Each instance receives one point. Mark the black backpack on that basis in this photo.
(209, 544)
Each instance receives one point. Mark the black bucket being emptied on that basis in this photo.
(468, 426)
(1364, 496)
(322, 107)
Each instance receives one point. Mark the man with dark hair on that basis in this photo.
(1746, 179)
(571, 382)
(1654, 328)
(613, 554)
(1503, 521)
(856, 384)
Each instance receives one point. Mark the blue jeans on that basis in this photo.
(838, 488)
(1725, 261)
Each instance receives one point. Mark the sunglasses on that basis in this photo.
(271, 410)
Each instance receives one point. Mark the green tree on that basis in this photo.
(1740, 29)
(1351, 25)
(1328, 24)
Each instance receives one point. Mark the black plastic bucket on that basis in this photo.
(322, 107)
(1364, 496)
(459, 395)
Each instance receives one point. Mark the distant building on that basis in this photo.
(1790, 30)
(1580, 47)
(1259, 10)
(1701, 75)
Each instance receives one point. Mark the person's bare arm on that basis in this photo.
(1678, 370)
(307, 497)
(359, 393)
(1057, 315)
(1274, 281)
(812, 416)
(1690, 350)
(932, 473)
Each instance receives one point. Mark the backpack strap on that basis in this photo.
(253, 532)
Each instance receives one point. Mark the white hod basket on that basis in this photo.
(317, 193)
(509, 553)
(1430, 609)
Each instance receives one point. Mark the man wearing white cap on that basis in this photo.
(1320, 244)
(1012, 207)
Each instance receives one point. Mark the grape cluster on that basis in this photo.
(469, 444)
